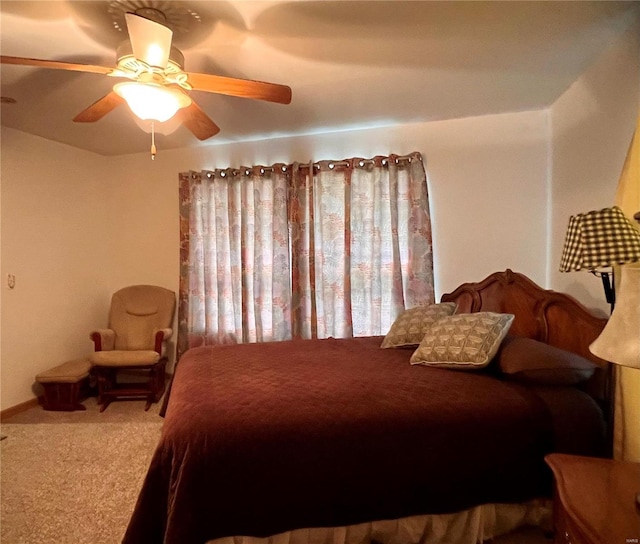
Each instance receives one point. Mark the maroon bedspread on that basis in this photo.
(264, 438)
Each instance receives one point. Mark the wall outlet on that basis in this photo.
(11, 281)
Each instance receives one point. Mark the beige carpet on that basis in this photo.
(73, 477)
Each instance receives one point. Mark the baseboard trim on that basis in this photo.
(18, 408)
(8, 413)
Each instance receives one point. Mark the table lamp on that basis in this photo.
(619, 342)
(600, 239)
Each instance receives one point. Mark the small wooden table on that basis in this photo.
(595, 500)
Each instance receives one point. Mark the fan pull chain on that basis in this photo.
(153, 142)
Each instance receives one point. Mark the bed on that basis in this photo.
(269, 439)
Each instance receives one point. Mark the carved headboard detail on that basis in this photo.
(544, 315)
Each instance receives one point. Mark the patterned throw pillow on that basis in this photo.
(411, 325)
(463, 341)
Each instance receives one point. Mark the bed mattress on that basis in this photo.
(264, 438)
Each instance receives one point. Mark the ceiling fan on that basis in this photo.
(155, 85)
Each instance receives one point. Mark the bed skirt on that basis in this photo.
(473, 526)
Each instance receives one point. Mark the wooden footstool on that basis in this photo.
(62, 385)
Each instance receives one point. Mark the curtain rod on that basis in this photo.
(331, 164)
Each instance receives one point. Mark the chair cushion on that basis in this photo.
(122, 358)
(69, 372)
(137, 312)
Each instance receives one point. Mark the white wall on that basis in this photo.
(487, 183)
(592, 124)
(55, 241)
(74, 235)
(592, 127)
(76, 226)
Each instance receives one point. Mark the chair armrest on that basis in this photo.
(103, 339)
(162, 335)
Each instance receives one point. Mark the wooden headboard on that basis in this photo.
(547, 316)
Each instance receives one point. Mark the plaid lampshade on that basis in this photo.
(600, 238)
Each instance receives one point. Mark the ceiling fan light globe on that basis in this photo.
(151, 102)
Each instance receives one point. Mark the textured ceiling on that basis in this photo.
(349, 64)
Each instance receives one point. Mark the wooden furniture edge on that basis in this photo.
(12, 411)
(545, 299)
(537, 312)
(567, 470)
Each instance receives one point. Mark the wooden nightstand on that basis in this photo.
(594, 500)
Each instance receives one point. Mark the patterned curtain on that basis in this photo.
(335, 248)
(234, 257)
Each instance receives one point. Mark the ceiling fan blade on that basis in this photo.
(150, 41)
(99, 108)
(245, 88)
(198, 122)
(56, 65)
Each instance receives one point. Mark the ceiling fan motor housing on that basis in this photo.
(152, 14)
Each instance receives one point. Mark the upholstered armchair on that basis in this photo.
(140, 322)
